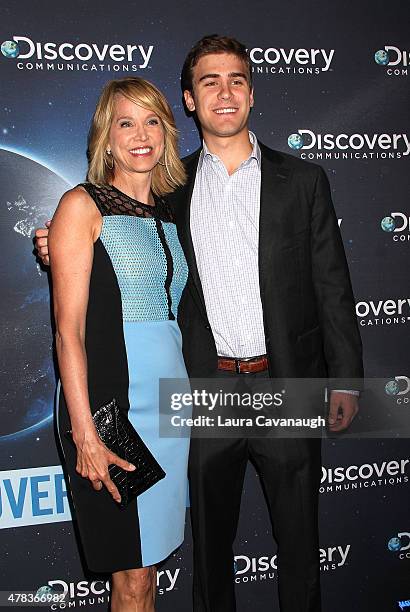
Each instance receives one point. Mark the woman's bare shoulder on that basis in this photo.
(78, 196)
(78, 212)
(76, 202)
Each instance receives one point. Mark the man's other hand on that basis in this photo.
(343, 409)
(41, 244)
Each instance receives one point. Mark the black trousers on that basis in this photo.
(290, 471)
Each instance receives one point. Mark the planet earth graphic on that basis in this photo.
(388, 224)
(381, 57)
(295, 141)
(394, 544)
(30, 193)
(392, 387)
(10, 48)
(43, 591)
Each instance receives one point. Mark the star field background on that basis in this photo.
(45, 116)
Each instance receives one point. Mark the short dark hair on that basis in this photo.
(213, 44)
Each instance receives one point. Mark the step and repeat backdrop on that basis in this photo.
(331, 87)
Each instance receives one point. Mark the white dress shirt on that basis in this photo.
(225, 235)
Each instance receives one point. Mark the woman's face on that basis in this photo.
(136, 138)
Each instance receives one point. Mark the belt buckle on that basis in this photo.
(238, 364)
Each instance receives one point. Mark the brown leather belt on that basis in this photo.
(243, 366)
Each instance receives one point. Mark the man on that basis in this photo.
(268, 295)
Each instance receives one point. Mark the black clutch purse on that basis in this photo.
(120, 437)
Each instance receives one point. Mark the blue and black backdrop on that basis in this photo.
(331, 82)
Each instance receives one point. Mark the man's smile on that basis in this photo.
(225, 111)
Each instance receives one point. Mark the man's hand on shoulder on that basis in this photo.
(41, 243)
(343, 409)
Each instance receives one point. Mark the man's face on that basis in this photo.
(221, 96)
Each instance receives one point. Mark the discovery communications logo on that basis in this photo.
(84, 593)
(399, 388)
(68, 56)
(383, 312)
(279, 61)
(398, 225)
(393, 59)
(349, 146)
(400, 544)
(364, 476)
(255, 569)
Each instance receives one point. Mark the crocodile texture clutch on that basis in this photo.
(120, 437)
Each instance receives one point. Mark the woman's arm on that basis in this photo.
(76, 225)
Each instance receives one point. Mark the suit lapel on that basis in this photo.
(274, 196)
(185, 235)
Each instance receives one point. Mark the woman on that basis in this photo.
(118, 272)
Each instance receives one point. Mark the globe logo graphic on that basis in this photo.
(295, 141)
(10, 48)
(381, 57)
(394, 544)
(388, 224)
(44, 590)
(392, 387)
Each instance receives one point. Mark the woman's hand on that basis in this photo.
(93, 459)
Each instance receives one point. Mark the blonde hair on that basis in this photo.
(166, 177)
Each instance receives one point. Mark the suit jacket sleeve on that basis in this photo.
(336, 307)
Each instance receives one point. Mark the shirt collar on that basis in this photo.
(255, 153)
